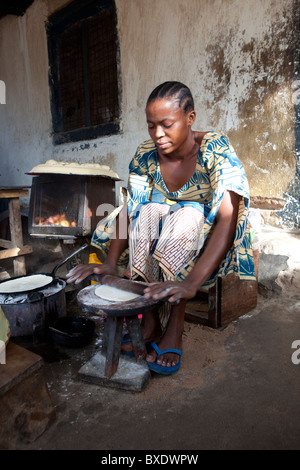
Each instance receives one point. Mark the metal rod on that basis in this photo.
(86, 245)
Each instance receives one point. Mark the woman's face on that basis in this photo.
(168, 126)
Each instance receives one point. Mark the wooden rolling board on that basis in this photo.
(92, 303)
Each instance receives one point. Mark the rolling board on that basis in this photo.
(89, 301)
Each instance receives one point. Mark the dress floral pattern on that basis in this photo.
(217, 169)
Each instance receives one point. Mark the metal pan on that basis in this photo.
(49, 278)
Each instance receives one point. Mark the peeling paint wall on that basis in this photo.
(237, 57)
(253, 99)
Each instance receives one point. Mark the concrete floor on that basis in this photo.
(237, 388)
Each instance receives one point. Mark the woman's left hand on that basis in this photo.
(174, 290)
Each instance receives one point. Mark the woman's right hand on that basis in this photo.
(82, 271)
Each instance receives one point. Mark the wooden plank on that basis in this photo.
(237, 298)
(19, 364)
(15, 222)
(14, 246)
(7, 193)
(197, 317)
(26, 408)
(214, 306)
(4, 275)
(196, 310)
(196, 305)
(19, 266)
(6, 243)
(17, 251)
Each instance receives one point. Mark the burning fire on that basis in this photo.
(58, 219)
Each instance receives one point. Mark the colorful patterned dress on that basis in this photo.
(217, 169)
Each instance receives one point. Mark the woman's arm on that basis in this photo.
(118, 244)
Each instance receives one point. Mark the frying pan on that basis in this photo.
(51, 276)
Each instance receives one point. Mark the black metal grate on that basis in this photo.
(102, 69)
(87, 75)
(71, 71)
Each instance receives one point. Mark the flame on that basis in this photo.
(58, 219)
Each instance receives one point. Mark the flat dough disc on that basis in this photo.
(113, 294)
(25, 283)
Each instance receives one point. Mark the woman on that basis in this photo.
(187, 210)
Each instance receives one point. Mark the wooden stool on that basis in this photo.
(116, 312)
(105, 368)
(14, 248)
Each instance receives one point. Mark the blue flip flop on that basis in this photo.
(164, 370)
(127, 353)
(128, 340)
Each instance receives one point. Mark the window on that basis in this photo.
(83, 55)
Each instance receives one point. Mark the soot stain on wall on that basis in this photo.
(253, 81)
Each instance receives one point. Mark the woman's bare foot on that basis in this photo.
(168, 359)
(172, 338)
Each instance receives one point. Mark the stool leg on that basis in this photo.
(135, 333)
(112, 336)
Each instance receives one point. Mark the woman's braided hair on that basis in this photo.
(175, 90)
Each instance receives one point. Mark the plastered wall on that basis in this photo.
(237, 57)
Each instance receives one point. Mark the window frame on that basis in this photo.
(57, 23)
